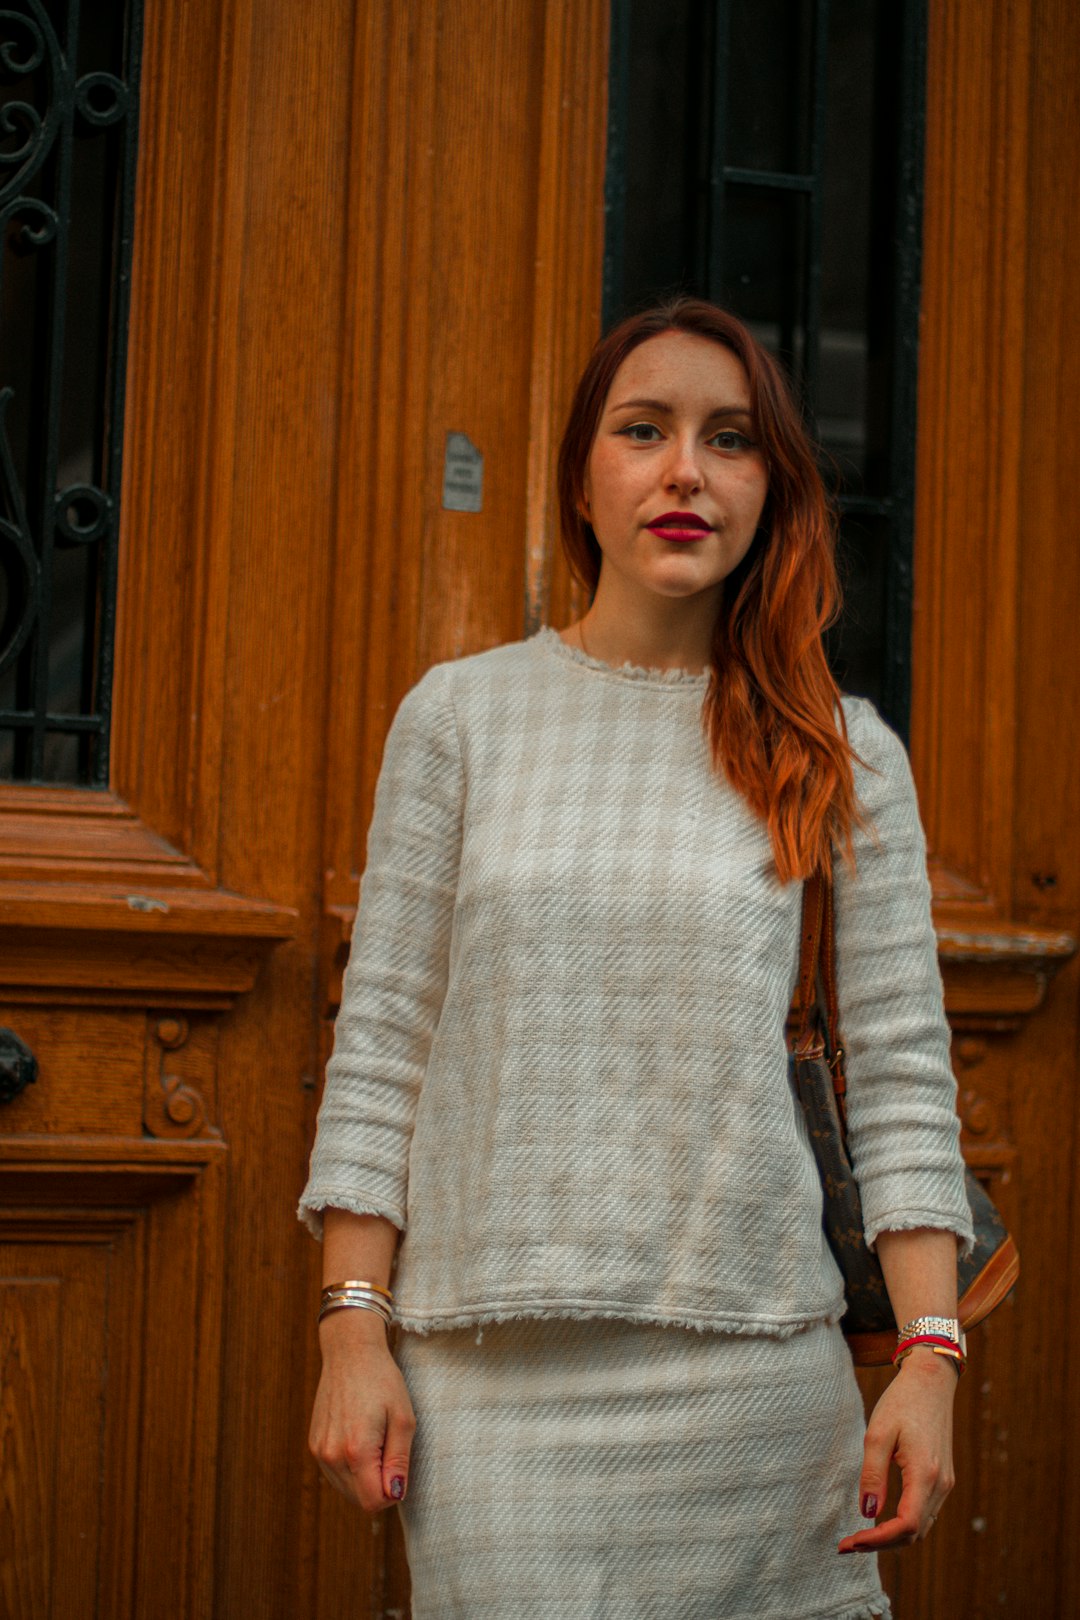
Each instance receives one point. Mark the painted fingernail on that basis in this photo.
(869, 1506)
(397, 1487)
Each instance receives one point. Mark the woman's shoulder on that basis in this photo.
(457, 678)
(882, 769)
(451, 690)
(871, 736)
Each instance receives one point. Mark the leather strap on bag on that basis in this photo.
(817, 999)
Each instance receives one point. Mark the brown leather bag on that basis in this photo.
(816, 1057)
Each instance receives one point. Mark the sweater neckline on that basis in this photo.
(679, 679)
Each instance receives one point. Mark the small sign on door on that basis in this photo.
(463, 475)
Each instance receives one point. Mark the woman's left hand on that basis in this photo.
(911, 1425)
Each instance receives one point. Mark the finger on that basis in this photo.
(397, 1449)
(353, 1465)
(340, 1480)
(895, 1532)
(363, 1465)
(878, 1449)
(912, 1520)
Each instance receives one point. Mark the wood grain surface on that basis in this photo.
(362, 226)
(997, 593)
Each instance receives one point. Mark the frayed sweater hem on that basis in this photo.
(466, 1316)
(876, 1607)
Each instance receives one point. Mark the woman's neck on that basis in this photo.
(666, 635)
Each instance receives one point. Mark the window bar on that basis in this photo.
(896, 674)
(615, 170)
(125, 106)
(83, 513)
(812, 283)
(721, 60)
(54, 273)
(770, 179)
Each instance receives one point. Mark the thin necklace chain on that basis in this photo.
(581, 637)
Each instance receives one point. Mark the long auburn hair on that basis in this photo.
(772, 710)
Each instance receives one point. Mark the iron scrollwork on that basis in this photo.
(67, 170)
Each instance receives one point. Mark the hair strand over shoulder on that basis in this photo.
(772, 710)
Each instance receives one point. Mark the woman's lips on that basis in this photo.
(680, 526)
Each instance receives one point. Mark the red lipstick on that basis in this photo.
(681, 526)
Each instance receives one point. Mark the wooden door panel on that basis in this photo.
(361, 226)
(90, 1071)
(110, 1331)
(996, 582)
(70, 1410)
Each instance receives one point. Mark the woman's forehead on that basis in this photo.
(683, 364)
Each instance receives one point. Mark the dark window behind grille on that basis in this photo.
(68, 123)
(768, 154)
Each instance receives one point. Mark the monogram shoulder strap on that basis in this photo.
(817, 982)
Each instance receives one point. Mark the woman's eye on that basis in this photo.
(730, 439)
(640, 432)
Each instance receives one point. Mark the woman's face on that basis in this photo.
(675, 482)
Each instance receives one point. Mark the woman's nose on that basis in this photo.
(684, 470)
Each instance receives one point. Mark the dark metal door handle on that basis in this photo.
(18, 1066)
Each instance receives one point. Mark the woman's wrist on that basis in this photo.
(349, 1330)
(921, 1362)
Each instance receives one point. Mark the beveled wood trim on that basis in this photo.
(190, 913)
(379, 329)
(997, 972)
(466, 303)
(968, 533)
(116, 893)
(117, 969)
(969, 536)
(139, 946)
(569, 272)
(169, 1314)
(97, 1171)
(174, 580)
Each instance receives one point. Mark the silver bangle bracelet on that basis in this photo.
(353, 1302)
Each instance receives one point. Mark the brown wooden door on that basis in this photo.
(354, 236)
(361, 227)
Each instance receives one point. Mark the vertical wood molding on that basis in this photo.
(374, 574)
(971, 387)
(473, 280)
(996, 695)
(173, 604)
(569, 269)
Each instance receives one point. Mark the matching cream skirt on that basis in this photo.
(611, 1471)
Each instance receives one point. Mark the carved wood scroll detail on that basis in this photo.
(179, 1076)
(984, 1136)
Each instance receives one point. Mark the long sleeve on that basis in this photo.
(396, 976)
(903, 1126)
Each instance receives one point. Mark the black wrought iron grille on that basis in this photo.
(69, 72)
(768, 154)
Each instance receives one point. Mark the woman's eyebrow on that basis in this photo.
(666, 409)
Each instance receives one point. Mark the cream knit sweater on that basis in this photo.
(559, 1065)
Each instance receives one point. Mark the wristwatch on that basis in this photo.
(939, 1327)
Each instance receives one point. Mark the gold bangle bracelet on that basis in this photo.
(332, 1288)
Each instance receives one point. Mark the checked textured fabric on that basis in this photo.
(610, 1471)
(559, 1064)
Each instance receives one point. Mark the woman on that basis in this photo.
(560, 1060)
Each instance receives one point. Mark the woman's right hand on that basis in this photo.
(362, 1423)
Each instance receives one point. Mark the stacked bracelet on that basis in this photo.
(360, 1296)
(943, 1335)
